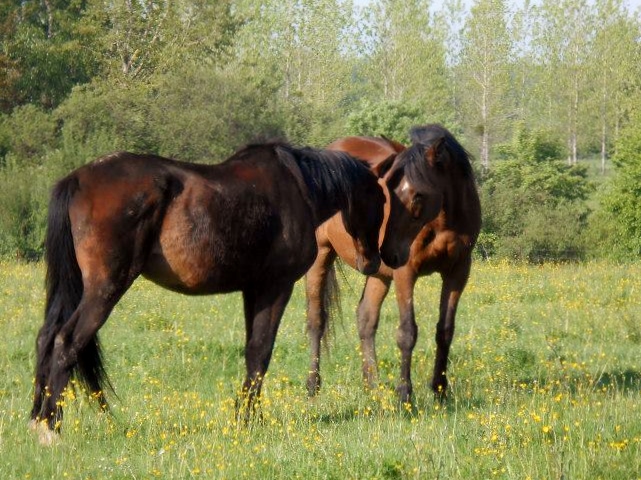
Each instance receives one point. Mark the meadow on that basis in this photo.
(545, 377)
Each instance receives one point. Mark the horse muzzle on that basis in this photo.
(394, 257)
(368, 266)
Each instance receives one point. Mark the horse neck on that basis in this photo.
(327, 202)
(327, 196)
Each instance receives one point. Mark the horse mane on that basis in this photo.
(329, 176)
(326, 178)
(426, 135)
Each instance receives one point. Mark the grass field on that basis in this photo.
(545, 384)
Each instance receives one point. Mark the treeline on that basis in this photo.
(547, 97)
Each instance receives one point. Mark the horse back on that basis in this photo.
(196, 229)
(373, 150)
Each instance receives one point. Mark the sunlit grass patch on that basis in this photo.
(544, 371)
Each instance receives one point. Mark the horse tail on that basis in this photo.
(64, 286)
(331, 303)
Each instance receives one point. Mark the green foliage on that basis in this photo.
(48, 51)
(404, 50)
(26, 135)
(391, 119)
(623, 200)
(23, 195)
(26, 138)
(534, 204)
(194, 79)
(204, 114)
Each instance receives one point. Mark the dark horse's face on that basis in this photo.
(415, 182)
(363, 220)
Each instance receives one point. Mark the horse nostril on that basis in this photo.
(373, 266)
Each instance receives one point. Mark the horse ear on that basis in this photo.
(433, 153)
(383, 167)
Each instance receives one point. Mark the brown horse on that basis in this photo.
(435, 163)
(244, 225)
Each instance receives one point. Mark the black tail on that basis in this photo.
(64, 286)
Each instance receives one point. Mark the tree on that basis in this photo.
(155, 36)
(563, 43)
(45, 49)
(524, 72)
(238, 109)
(614, 70)
(305, 50)
(405, 57)
(483, 71)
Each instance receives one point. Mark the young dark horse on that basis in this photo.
(435, 163)
(244, 225)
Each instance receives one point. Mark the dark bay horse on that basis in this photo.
(434, 163)
(244, 225)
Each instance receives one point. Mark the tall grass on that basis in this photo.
(545, 383)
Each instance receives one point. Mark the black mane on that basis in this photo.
(425, 135)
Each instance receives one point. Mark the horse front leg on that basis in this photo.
(263, 312)
(368, 315)
(452, 288)
(407, 333)
(319, 297)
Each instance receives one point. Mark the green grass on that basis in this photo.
(545, 383)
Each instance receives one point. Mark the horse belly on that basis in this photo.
(343, 243)
(189, 276)
(188, 263)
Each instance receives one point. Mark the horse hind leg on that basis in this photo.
(44, 347)
(76, 349)
(368, 315)
(320, 287)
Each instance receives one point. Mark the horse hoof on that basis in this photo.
(370, 377)
(313, 385)
(404, 394)
(46, 436)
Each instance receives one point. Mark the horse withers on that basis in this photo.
(431, 224)
(246, 225)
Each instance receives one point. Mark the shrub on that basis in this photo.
(534, 205)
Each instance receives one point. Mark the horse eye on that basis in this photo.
(417, 206)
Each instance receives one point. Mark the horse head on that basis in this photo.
(362, 220)
(416, 179)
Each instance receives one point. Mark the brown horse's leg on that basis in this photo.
(453, 285)
(317, 290)
(368, 314)
(263, 311)
(404, 280)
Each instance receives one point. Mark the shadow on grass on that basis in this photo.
(343, 415)
(622, 381)
(626, 381)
